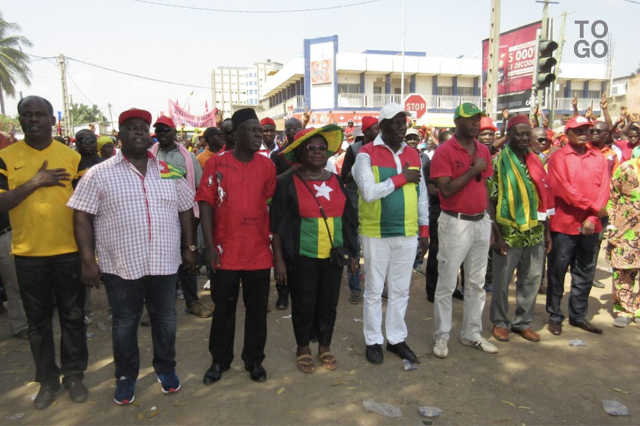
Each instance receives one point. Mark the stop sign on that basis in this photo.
(416, 103)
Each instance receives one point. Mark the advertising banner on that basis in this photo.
(516, 66)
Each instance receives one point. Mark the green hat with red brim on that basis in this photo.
(332, 133)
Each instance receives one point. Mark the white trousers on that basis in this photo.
(391, 260)
(461, 241)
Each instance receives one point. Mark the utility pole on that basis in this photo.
(558, 56)
(493, 60)
(66, 123)
(110, 116)
(404, 34)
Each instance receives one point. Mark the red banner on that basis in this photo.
(184, 118)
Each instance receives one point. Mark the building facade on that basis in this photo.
(342, 86)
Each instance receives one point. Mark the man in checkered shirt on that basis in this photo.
(139, 209)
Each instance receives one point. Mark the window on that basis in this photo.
(445, 91)
(348, 88)
(465, 91)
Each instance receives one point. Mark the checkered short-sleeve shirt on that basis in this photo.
(136, 223)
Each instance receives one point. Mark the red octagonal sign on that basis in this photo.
(416, 103)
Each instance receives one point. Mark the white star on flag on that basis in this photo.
(323, 191)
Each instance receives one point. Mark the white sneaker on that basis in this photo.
(480, 343)
(622, 321)
(440, 349)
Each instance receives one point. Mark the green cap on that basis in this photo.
(466, 110)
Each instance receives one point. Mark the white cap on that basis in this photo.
(412, 131)
(390, 110)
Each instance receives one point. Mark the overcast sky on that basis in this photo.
(184, 45)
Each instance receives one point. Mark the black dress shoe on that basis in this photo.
(457, 294)
(214, 373)
(374, 354)
(77, 390)
(587, 326)
(403, 351)
(283, 301)
(257, 373)
(46, 395)
(555, 328)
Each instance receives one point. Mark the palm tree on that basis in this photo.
(14, 63)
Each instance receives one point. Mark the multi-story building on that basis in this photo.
(625, 92)
(342, 86)
(234, 87)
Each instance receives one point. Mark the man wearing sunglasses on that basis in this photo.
(579, 180)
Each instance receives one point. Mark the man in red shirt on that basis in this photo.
(460, 167)
(233, 194)
(579, 179)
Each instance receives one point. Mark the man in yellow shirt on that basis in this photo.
(35, 184)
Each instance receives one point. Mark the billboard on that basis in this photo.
(516, 65)
(321, 86)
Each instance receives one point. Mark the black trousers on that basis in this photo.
(431, 272)
(42, 279)
(255, 293)
(577, 252)
(189, 284)
(315, 287)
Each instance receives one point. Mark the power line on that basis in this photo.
(260, 11)
(142, 77)
(633, 1)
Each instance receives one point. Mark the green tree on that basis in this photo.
(84, 114)
(14, 63)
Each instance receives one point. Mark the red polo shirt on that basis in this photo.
(580, 186)
(452, 160)
(239, 193)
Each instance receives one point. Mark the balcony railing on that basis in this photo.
(363, 100)
(564, 104)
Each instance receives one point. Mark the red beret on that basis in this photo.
(518, 119)
(167, 121)
(135, 113)
(267, 120)
(368, 121)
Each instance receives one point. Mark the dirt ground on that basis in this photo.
(525, 383)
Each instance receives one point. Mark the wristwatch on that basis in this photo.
(193, 248)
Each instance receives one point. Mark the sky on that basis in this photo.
(184, 45)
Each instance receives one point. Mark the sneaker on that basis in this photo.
(480, 343)
(169, 383)
(125, 391)
(622, 321)
(598, 284)
(441, 349)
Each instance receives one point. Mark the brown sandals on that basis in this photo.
(328, 360)
(305, 363)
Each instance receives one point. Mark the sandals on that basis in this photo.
(328, 360)
(305, 363)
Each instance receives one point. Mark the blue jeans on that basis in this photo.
(126, 298)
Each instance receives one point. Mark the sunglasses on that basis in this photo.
(580, 131)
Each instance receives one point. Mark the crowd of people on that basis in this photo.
(142, 213)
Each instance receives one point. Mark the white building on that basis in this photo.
(233, 87)
(345, 86)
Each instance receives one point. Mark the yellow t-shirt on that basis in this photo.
(42, 224)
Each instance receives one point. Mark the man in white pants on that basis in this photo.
(393, 214)
(460, 167)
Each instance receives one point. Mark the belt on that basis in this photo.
(473, 218)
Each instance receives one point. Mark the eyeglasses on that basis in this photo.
(316, 148)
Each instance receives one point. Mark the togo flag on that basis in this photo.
(314, 238)
(167, 171)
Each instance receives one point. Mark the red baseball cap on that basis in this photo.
(267, 120)
(368, 121)
(167, 121)
(487, 123)
(577, 121)
(134, 113)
